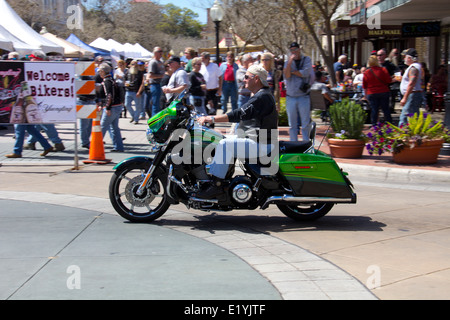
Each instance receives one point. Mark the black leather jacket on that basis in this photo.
(258, 113)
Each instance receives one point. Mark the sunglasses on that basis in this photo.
(246, 77)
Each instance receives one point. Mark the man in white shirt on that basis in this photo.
(178, 80)
(213, 78)
(411, 86)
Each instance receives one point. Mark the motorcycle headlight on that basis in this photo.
(156, 146)
(150, 136)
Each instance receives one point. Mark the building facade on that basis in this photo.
(375, 24)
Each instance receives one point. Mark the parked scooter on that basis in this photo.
(305, 184)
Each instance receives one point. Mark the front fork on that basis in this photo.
(148, 178)
(157, 160)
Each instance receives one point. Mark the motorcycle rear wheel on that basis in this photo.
(123, 187)
(305, 212)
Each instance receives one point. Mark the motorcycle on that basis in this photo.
(305, 186)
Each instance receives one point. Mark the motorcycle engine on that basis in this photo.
(241, 190)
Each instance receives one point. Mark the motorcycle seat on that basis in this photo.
(294, 146)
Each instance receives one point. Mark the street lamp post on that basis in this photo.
(216, 14)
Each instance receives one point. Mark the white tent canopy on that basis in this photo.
(5, 43)
(127, 50)
(131, 51)
(101, 44)
(11, 21)
(17, 45)
(115, 45)
(144, 52)
(70, 50)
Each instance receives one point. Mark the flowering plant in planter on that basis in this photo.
(386, 137)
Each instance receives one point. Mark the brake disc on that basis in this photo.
(139, 200)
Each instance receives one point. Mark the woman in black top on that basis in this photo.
(198, 87)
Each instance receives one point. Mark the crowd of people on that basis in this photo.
(143, 88)
(388, 78)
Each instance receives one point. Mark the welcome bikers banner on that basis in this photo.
(37, 92)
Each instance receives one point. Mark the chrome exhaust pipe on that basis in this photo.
(213, 201)
(288, 198)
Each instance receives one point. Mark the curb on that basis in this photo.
(417, 179)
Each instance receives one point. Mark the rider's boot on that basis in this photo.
(213, 191)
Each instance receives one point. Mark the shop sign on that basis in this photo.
(384, 32)
(421, 29)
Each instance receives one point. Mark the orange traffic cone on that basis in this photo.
(97, 150)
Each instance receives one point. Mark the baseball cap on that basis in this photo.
(260, 72)
(174, 59)
(294, 45)
(140, 62)
(411, 52)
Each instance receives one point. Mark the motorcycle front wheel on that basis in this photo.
(145, 207)
(306, 212)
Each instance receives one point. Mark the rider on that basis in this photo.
(257, 114)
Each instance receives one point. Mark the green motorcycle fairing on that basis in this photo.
(163, 117)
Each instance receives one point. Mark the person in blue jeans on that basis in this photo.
(155, 74)
(229, 85)
(297, 73)
(85, 132)
(112, 108)
(411, 86)
(19, 131)
(134, 86)
(52, 134)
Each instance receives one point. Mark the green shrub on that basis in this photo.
(347, 119)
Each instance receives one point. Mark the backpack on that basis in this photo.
(117, 94)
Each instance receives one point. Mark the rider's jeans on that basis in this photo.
(232, 148)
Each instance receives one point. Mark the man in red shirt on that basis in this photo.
(229, 84)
